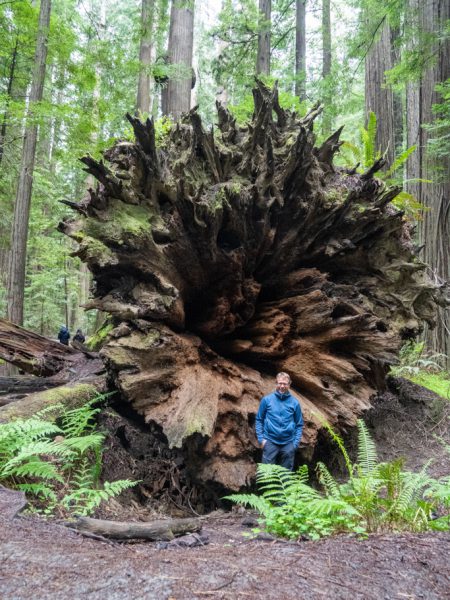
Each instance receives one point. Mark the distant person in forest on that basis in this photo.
(79, 337)
(64, 335)
(279, 424)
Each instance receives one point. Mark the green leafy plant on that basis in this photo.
(57, 464)
(366, 153)
(413, 360)
(376, 496)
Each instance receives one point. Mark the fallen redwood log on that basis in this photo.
(37, 355)
(15, 388)
(163, 530)
(69, 396)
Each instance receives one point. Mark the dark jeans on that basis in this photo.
(279, 454)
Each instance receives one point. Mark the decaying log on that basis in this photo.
(68, 396)
(163, 530)
(37, 355)
(15, 388)
(226, 256)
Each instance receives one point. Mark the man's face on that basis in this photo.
(282, 385)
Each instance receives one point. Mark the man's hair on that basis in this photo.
(284, 375)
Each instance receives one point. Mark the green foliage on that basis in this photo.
(57, 465)
(376, 497)
(413, 360)
(439, 129)
(366, 153)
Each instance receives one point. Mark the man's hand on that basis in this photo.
(263, 443)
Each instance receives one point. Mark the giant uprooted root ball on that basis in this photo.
(225, 256)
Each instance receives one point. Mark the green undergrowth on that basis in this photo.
(58, 463)
(377, 497)
(423, 368)
(439, 383)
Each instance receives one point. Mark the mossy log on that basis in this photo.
(224, 256)
(72, 395)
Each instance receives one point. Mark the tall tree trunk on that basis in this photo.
(12, 68)
(326, 65)
(176, 98)
(145, 57)
(379, 97)
(263, 55)
(300, 49)
(434, 229)
(16, 280)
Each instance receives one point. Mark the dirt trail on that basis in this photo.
(44, 560)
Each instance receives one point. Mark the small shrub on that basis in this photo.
(57, 466)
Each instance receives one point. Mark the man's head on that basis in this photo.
(283, 382)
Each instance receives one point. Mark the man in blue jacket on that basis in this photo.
(279, 424)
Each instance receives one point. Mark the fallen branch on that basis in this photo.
(154, 530)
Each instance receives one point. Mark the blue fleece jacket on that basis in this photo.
(279, 419)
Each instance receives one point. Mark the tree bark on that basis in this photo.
(145, 57)
(163, 530)
(434, 229)
(326, 66)
(379, 97)
(176, 97)
(224, 258)
(12, 68)
(300, 49)
(16, 280)
(263, 54)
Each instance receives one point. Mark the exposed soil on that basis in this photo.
(41, 559)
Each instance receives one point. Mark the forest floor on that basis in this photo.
(44, 559)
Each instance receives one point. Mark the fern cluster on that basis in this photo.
(376, 497)
(57, 465)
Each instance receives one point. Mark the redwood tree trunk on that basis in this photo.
(300, 49)
(379, 97)
(434, 229)
(16, 280)
(326, 65)
(12, 68)
(226, 257)
(263, 54)
(145, 57)
(176, 97)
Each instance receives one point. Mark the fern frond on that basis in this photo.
(38, 469)
(369, 139)
(82, 444)
(399, 160)
(367, 452)
(413, 485)
(330, 506)
(327, 480)
(81, 420)
(259, 503)
(274, 481)
(339, 441)
(35, 449)
(38, 489)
